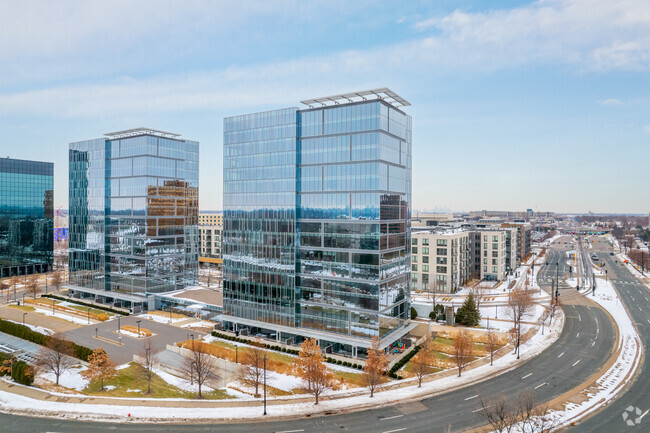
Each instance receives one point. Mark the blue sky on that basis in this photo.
(516, 104)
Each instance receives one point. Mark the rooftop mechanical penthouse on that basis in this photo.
(317, 205)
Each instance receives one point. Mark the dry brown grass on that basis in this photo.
(67, 310)
(134, 329)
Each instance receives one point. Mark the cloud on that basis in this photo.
(589, 36)
(611, 101)
(647, 129)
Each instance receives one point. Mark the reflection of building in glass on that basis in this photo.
(133, 215)
(26, 217)
(317, 221)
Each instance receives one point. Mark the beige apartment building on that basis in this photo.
(440, 259)
(211, 218)
(210, 249)
(493, 258)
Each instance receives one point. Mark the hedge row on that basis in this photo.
(97, 307)
(344, 363)
(20, 331)
(20, 372)
(399, 364)
(254, 343)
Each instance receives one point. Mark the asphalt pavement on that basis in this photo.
(584, 346)
(636, 297)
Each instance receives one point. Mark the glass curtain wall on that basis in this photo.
(134, 214)
(259, 255)
(26, 217)
(354, 219)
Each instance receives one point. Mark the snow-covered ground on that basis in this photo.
(38, 329)
(162, 319)
(70, 378)
(69, 317)
(181, 383)
(356, 398)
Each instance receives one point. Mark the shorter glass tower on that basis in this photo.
(133, 216)
(26, 217)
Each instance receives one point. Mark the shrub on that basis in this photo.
(339, 362)
(414, 313)
(22, 373)
(404, 360)
(97, 307)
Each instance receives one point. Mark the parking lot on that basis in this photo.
(121, 350)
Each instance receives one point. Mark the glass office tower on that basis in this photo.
(133, 216)
(26, 217)
(317, 221)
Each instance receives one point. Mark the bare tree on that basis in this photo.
(252, 367)
(463, 349)
(553, 307)
(520, 302)
(54, 357)
(375, 367)
(32, 286)
(149, 363)
(57, 280)
(13, 282)
(480, 294)
(544, 317)
(492, 344)
(312, 368)
(199, 365)
(521, 414)
(422, 362)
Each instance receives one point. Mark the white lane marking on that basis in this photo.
(578, 335)
(560, 355)
(391, 417)
(540, 385)
(529, 374)
(478, 410)
(291, 431)
(469, 398)
(579, 318)
(592, 343)
(393, 431)
(575, 363)
(644, 414)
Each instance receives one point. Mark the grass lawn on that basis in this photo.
(23, 307)
(132, 378)
(85, 309)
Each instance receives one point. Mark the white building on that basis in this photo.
(440, 260)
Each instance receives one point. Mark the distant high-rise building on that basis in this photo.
(133, 219)
(317, 209)
(26, 217)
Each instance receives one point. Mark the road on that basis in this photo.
(580, 352)
(636, 298)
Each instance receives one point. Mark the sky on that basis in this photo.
(515, 104)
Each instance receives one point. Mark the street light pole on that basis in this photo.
(89, 315)
(265, 384)
(24, 314)
(138, 322)
(119, 327)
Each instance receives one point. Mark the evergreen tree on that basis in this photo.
(468, 314)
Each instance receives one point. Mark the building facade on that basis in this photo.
(440, 261)
(26, 217)
(317, 221)
(493, 258)
(133, 217)
(210, 218)
(210, 251)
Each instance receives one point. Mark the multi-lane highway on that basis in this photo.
(636, 298)
(584, 346)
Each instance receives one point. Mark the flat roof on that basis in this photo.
(141, 131)
(383, 93)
